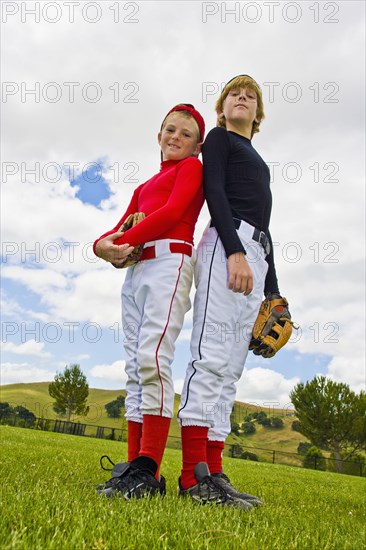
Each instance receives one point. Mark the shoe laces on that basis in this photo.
(128, 479)
(224, 477)
(109, 460)
(214, 487)
(115, 481)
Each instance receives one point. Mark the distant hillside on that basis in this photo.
(35, 397)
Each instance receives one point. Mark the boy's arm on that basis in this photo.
(215, 154)
(216, 151)
(108, 251)
(131, 209)
(188, 183)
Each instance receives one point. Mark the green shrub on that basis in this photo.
(314, 459)
(277, 422)
(303, 447)
(249, 456)
(235, 428)
(248, 428)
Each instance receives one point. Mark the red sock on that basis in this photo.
(194, 442)
(134, 433)
(214, 456)
(155, 431)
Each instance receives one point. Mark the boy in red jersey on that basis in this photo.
(155, 296)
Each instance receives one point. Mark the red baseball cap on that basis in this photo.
(192, 111)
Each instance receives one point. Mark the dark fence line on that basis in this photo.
(234, 450)
(321, 463)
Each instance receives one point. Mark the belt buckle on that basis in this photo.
(264, 241)
(262, 238)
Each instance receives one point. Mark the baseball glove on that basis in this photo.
(131, 221)
(273, 326)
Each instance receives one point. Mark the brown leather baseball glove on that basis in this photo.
(131, 221)
(273, 326)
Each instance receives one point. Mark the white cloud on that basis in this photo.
(81, 357)
(38, 280)
(14, 373)
(349, 371)
(265, 387)
(93, 296)
(114, 372)
(31, 347)
(11, 308)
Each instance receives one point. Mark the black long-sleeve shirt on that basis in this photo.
(237, 185)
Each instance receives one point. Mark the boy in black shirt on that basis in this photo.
(234, 268)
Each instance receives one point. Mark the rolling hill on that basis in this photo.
(35, 397)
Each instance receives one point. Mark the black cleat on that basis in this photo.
(224, 482)
(117, 472)
(208, 491)
(133, 480)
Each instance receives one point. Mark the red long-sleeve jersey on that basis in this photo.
(171, 201)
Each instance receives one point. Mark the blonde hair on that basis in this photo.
(242, 81)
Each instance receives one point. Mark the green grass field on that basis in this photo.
(49, 502)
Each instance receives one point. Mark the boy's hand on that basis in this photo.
(240, 274)
(113, 253)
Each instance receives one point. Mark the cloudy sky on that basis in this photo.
(85, 88)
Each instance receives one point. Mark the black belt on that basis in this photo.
(258, 236)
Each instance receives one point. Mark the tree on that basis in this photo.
(9, 413)
(70, 391)
(5, 410)
(331, 416)
(24, 413)
(352, 465)
(114, 407)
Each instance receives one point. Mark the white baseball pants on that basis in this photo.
(155, 298)
(222, 328)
